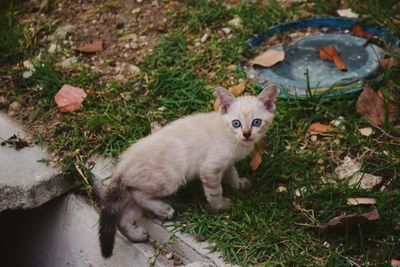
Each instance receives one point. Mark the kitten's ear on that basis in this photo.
(225, 98)
(268, 97)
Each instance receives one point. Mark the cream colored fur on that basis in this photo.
(204, 145)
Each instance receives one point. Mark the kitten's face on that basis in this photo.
(248, 117)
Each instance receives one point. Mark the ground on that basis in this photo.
(157, 65)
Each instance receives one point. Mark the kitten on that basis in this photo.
(204, 145)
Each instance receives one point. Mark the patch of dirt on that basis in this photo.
(128, 29)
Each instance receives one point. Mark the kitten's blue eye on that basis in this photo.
(236, 123)
(256, 122)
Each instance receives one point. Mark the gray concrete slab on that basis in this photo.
(24, 181)
(62, 233)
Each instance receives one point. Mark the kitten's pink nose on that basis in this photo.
(247, 134)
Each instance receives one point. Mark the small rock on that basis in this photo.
(365, 181)
(348, 13)
(367, 131)
(136, 10)
(69, 62)
(281, 189)
(3, 102)
(314, 138)
(134, 45)
(204, 38)
(53, 48)
(27, 74)
(62, 32)
(226, 30)
(169, 255)
(139, 1)
(347, 168)
(14, 106)
(235, 22)
(129, 36)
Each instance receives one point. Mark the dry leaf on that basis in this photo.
(364, 180)
(268, 58)
(371, 105)
(352, 219)
(361, 201)
(357, 30)
(237, 90)
(348, 168)
(329, 53)
(256, 160)
(367, 131)
(387, 63)
(96, 46)
(318, 127)
(395, 263)
(69, 98)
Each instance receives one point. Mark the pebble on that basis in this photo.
(139, 1)
(27, 74)
(226, 30)
(235, 22)
(314, 138)
(53, 48)
(204, 38)
(136, 10)
(62, 32)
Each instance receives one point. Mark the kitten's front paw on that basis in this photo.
(244, 183)
(221, 204)
(166, 212)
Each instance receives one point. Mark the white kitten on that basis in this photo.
(204, 145)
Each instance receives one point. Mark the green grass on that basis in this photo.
(265, 227)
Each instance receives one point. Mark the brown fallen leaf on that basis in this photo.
(256, 160)
(318, 127)
(361, 201)
(371, 105)
(395, 263)
(352, 219)
(359, 31)
(69, 98)
(268, 58)
(95, 46)
(387, 63)
(329, 53)
(237, 90)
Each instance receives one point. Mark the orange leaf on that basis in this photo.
(352, 219)
(238, 89)
(256, 160)
(329, 53)
(371, 105)
(268, 58)
(359, 31)
(69, 98)
(96, 46)
(318, 127)
(388, 63)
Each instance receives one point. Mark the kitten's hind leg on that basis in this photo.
(158, 207)
(127, 223)
(231, 177)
